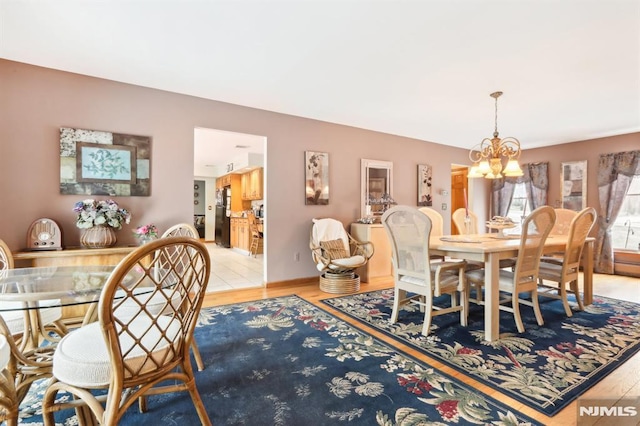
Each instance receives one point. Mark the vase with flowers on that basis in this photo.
(98, 220)
(146, 233)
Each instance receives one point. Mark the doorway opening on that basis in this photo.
(459, 191)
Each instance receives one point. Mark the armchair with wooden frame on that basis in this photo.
(409, 231)
(132, 355)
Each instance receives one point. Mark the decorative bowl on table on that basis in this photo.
(500, 223)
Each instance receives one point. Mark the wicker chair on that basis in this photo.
(337, 255)
(28, 327)
(524, 279)
(409, 230)
(566, 269)
(134, 356)
(186, 230)
(8, 396)
(181, 229)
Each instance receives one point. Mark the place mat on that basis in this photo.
(459, 240)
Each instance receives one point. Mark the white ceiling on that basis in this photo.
(569, 69)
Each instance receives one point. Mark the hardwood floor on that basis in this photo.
(624, 382)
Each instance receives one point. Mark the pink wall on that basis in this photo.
(35, 102)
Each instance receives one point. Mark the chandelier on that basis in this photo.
(488, 155)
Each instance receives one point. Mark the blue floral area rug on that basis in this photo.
(546, 367)
(284, 361)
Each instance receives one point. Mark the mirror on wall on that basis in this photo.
(376, 187)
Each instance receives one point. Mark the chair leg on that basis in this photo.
(536, 307)
(398, 296)
(515, 303)
(563, 296)
(196, 355)
(576, 292)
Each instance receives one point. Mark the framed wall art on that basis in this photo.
(94, 162)
(316, 177)
(424, 185)
(573, 176)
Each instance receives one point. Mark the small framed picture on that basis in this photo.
(573, 183)
(424, 185)
(316, 166)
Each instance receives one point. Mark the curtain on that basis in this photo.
(536, 180)
(615, 172)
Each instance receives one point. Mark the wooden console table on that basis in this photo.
(73, 256)
(379, 266)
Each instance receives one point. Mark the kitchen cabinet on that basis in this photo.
(240, 233)
(234, 181)
(379, 266)
(252, 183)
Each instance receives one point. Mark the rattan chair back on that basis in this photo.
(181, 229)
(147, 347)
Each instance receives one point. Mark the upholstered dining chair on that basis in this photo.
(524, 278)
(337, 255)
(437, 226)
(458, 218)
(565, 271)
(409, 230)
(563, 221)
(134, 355)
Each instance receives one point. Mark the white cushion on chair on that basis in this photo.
(347, 261)
(330, 229)
(82, 359)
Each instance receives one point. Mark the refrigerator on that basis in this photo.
(223, 217)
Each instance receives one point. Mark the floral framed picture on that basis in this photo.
(316, 166)
(94, 162)
(573, 181)
(424, 185)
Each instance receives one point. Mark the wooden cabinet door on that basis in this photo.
(256, 184)
(245, 180)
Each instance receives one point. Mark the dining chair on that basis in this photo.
(524, 278)
(132, 356)
(8, 396)
(27, 327)
(187, 230)
(459, 217)
(437, 227)
(565, 271)
(181, 229)
(563, 221)
(409, 230)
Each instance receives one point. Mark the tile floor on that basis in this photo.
(230, 269)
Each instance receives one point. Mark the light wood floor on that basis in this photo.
(624, 382)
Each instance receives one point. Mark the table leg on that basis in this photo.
(492, 297)
(587, 272)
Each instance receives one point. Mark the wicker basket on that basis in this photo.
(340, 283)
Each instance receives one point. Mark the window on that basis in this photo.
(625, 232)
(519, 208)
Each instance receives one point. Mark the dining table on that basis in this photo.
(31, 289)
(490, 249)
